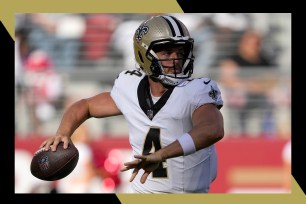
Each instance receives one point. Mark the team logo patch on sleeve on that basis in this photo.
(213, 93)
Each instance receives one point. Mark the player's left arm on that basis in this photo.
(207, 129)
(208, 126)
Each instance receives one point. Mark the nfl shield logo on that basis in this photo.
(44, 163)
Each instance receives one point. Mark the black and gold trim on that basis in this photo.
(145, 99)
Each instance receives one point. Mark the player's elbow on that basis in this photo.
(211, 137)
(219, 134)
(216, 135)
(82, 108)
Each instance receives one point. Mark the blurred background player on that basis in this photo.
(248, 83)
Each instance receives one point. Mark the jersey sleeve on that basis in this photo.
(124, 90)
(204, 91)
(115, 91)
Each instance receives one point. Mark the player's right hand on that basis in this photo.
(54, 141)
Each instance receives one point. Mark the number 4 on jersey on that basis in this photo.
(134, 72)
(152, 144)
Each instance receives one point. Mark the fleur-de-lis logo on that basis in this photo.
(141, 30)
(213, 93)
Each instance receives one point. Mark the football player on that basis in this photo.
(174, 120)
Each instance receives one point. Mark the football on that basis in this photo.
(50, 166)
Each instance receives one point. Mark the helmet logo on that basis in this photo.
(141, 30)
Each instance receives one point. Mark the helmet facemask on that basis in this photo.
(178, 74)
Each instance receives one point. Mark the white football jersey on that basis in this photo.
(154, 126)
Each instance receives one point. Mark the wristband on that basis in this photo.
(187, 144)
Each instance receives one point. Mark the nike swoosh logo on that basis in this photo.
(206, 82)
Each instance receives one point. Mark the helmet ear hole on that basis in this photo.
(140, 57)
